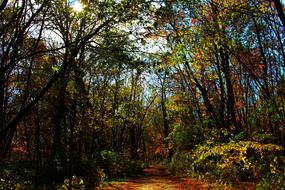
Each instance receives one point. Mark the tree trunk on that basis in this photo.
(230, 92)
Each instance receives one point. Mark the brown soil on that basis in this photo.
(158, 178)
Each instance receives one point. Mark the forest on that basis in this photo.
(96, 91)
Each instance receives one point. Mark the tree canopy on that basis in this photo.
(99, 88)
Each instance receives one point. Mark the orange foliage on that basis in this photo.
(19, 143)
(239, 104)
(194, 20)
(251, 60)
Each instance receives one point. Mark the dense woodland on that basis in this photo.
(98, 89)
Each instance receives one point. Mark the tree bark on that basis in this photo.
(230, 92)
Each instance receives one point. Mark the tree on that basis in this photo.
(280, 11)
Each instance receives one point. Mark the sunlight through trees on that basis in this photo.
(95, 90)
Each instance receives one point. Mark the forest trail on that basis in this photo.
(157, 177)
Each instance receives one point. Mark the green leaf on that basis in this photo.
(55, 69)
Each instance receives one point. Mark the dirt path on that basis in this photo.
(157, 178)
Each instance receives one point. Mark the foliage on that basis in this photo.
(186, 137)
(10, 181)
(239, 161)
(180, 162)
(116, 165)
(73, 183)
(95, 93)
(90, 172)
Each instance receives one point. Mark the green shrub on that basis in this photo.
(239, 161)
(186, 137)
(180, 163)
(74, 183)
(111, 163)
(116, 165)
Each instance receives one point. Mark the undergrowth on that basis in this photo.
(234, 162)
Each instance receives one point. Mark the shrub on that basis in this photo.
(116, 165)
(90, 171)
(180, 163)
(73, 183)
(186, 137)
(9, 181)
(239, 161)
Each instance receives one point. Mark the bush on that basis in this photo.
(73, 183)
(187, 137)
(180, 163)
(90, 172)
(9, 181)
(239, 161)
(116, 165)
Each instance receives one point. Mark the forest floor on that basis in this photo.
(157, 177)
